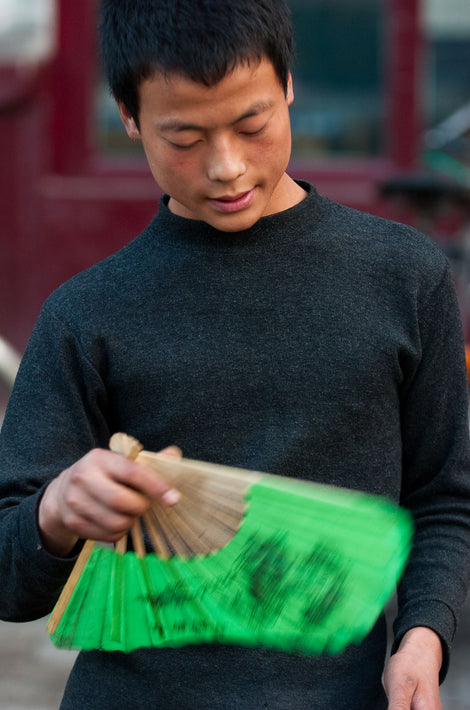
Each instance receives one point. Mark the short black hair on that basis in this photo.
(201, 39)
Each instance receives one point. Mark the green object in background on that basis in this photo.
(309, 571)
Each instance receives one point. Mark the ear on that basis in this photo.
(290, 90)
(129, 123)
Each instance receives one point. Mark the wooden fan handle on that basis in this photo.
(70, 585)
(130, 448)
(125, 445)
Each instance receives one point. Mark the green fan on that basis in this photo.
(243, 558)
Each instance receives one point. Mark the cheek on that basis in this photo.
(174, 170)
(276, 150)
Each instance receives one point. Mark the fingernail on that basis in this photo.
(171, 496)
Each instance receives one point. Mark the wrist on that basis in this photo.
(425, 641)
(57, 539)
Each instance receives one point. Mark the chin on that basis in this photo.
(233, 228)
(234, 223)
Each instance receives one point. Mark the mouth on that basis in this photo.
(233, 203)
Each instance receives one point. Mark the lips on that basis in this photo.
(235, 203)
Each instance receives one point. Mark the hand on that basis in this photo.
(99, 498)
(411, 678)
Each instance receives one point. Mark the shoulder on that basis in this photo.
(101, 287)
(383, 247)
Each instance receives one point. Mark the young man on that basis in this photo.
(253, 323)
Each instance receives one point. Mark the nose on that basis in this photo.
(225, 161)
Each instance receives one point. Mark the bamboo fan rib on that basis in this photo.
(243, 557)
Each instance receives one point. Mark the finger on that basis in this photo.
(99, 524)
(107, 495)
(102, 467)
(148, 482)
(174, 451)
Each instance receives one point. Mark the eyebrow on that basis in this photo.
(174, 125)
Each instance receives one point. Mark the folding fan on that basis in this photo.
(243, 558)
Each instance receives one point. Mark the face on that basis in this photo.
(220, 152)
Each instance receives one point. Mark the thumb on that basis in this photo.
(400, 685)
(400, 697)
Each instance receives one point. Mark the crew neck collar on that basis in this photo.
(273, 229)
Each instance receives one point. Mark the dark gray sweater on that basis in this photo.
(322, 343)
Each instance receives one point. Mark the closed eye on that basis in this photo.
(184, 146)
(254, 133)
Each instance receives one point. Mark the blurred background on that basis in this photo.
(381, 122)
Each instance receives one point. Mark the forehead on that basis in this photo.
(167, 97)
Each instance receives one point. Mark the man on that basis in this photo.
(253, 323)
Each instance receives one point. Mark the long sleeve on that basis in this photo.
(436, 472)
(55, 415)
